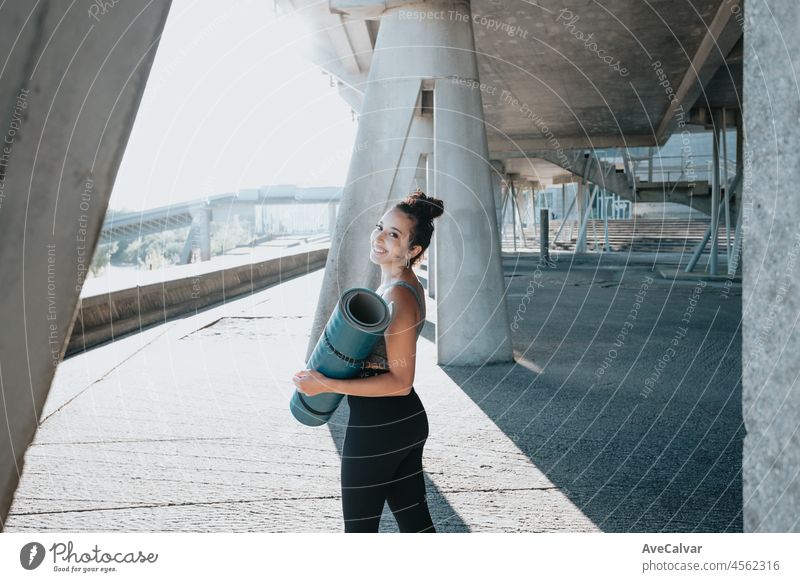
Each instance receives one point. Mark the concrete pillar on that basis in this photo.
(510, 207)
(523, 199)
(71, 87)
(505, 209)
(411, 54)
(580, 203)
(530, 207)
(771, 269)
(386, 119)
(715, 192)
(498, 170)
(472, 326)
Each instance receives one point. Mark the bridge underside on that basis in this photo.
(559, 82)
(622, 74)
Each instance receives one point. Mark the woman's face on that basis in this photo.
(390, 237)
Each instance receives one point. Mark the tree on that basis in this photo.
(102, 257)
(154, 251)
(229, 235)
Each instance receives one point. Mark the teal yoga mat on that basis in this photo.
(357, 322)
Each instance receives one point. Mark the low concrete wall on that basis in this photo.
(104, 317)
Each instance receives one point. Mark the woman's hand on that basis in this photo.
(311, 382)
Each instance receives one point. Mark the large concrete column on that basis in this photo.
(411, 54)
(69, 92)
(498, 171)
(472, 326)
(771, 269)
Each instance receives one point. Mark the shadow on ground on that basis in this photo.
(636, 414)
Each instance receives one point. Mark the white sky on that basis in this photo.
(231, 104)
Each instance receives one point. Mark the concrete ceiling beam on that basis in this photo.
(721, 37)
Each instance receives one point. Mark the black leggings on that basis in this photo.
(382, 461)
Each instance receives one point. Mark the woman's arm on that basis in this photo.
(381, 385)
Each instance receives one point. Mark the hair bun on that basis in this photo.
(428, 205)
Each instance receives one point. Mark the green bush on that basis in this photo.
(152, 251)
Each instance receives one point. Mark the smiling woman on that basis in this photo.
(388, 425)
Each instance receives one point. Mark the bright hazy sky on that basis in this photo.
(231, 103)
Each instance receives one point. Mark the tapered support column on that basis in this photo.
(384, 125)
(529, 206)
(583, 191)
(498, 170)
(71, 86)
(472, 319)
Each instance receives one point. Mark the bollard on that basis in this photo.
(544, 236)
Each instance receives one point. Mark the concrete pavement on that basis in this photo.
(186, 426)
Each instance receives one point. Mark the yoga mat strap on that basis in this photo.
(312, 411)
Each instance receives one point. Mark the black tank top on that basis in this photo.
(376, 363)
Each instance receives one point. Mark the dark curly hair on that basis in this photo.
(423, 209)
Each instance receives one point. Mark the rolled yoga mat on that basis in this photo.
(357, 322)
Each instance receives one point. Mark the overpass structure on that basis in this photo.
(464, 97)
(251, 204)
